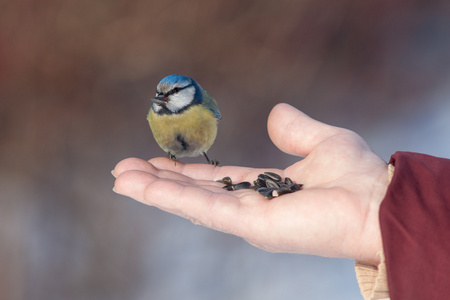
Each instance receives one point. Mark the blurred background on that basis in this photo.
(76, 79)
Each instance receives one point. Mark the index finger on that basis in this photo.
(209, 172)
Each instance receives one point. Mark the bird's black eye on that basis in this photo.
(175, 90)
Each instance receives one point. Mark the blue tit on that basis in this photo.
(183, 118)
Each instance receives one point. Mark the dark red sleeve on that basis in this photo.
(415, 227)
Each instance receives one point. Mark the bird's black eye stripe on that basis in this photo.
(176, 90)
(173, 91)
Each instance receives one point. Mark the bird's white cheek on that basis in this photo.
(182, 99)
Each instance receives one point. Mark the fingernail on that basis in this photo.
(114, 190)
(112, 172)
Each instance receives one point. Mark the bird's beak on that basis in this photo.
(160, 100)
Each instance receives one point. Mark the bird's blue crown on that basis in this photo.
(176, 79)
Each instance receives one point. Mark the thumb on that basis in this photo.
(296, 133)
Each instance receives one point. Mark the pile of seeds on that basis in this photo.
(269, 184)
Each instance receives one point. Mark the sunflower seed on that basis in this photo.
(242, 185)
(282, 191)
(271, 184)
(266, 192)
(229, 187)
(263, 190)
(226, 180)
(296, 187)
(263, 177)
(288, 181)
(259, 183)
(281, 184)
(275, 177)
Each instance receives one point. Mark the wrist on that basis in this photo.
(371, 241)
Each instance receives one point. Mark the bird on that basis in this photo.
(183, 118)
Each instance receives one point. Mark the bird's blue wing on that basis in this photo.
(211, 104)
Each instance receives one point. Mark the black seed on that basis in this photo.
(259, 183)
(242, 185)
(229, 187)
(263, 190)
(226, 180)
(281, 183)
(263, 177)
(273, 176)
(269, 195)
(266, 192)
(271, 184)
(296, 187)
(288, 181)
(282, 191)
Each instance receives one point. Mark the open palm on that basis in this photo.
(336, 214)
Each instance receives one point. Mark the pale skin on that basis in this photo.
(335, 215)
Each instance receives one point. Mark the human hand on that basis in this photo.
(335, 215)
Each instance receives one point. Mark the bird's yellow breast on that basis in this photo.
(185, 134)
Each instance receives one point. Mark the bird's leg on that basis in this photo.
(211, 162)
(172, 157)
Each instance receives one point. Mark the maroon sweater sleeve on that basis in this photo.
(415, 227)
